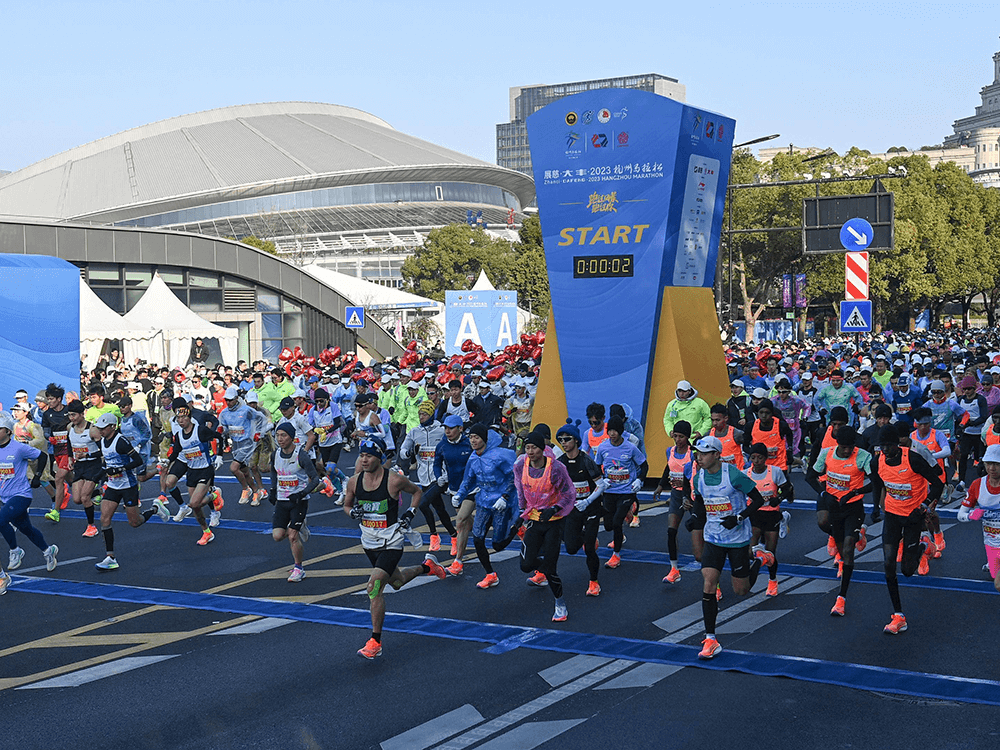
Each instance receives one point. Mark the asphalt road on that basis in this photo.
(210, 647)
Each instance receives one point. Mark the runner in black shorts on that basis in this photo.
(372, 497)
(774, 486)
(293, 477)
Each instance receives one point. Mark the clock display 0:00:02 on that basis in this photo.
(602, 266)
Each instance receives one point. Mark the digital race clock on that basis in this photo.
(602, 266)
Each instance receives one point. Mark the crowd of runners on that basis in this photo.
(903, 423)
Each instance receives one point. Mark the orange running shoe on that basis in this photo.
(896, 625)
(206, 537)
(899, 552)
(90, 531)
(673, 576)
(709, 649)
(594, 589)
(831, 547)
(614, 562)
(766, 558)
(939, 544)
(838, 608)
(456, 568)
(772, 588)
(217, 501)
(435, 543)
(67, 496)
(371, 649)
(245, 496)
(718, 593)
(434, 568)
(488, 582)
(862, 540)
(538, 579)
(923, 567)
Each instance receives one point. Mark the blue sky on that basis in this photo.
(873, 74)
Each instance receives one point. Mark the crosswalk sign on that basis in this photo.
(354, 317)
(856, 316)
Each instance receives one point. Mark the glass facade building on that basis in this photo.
(512, 137)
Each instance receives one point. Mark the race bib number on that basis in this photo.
(677, 480)
(903, 408)
(80, 453)
(61, 437)
(839, 482)
(236, 431)
(6, 471)
(899, 491)
(426, 454)
(375, 522)
(618, 477)
(192, 454)
(722, 508)
(772, 451)
(582, 489)
(288, 483)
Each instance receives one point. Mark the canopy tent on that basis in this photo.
(159, 308)
(98, 323)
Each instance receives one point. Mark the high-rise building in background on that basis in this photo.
(512, 137)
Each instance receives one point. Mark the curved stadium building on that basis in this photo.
(326, 183)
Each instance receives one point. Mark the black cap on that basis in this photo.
(888, 435)
(839, 414)
(758, 448)
(535, 439)
(480, 430)
(846, 435)
(287, 403)
(617, 424)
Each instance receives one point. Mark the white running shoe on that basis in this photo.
(108, 563)
(214, 517)
(561, 613)
(297, 575)
(16, 555)
(161, 510)
(783, 525)
(50, 557)
(183, 512)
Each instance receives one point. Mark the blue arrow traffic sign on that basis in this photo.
(856, 316)
(354, 317)
(856, 234)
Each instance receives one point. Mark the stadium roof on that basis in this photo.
(235, 152)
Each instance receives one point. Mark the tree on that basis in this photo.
(266, 245)
(453, 256)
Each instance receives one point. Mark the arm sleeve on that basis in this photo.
(135, 460)
(438, 459)
(309, 467)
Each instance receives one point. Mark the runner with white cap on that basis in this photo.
(243, 426)
(725, 497)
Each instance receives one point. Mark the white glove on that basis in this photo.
(963, 513)
(500, 505)
(442, 480)
(637, 485)
(218, 462)
(455, 502)
(583, 503)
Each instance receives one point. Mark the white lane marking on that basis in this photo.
(813, 586)
(22, 571)
(644, 675)
(751, 621)
(541, 703)
(92, 674)
(258, 626)
(572, 668)
(528, 736)
(435, 730)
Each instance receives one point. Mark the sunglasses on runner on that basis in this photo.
(564, 438)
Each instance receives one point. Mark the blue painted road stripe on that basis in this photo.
(857, 676)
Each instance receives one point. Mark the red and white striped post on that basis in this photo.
(856, 276)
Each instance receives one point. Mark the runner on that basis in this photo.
(328, 423)
(293, 477)
(120, 460)
(774, 486)
(86, 462)
(263, 452)
(721, 495)
(135, 427)
(420, 445)
(625, 468)
(840, 511)
(15, 498)
(730, 437)
(451, 454)
(585, 518)
(243, 426)
(546, 496)
(490, 468)
(677, 478)
(191, 448)
(55, 428)
(372, 497)
(907, 486)
(983, 503)
(773, 432)
(597, 433)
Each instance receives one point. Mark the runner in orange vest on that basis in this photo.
(838, 418)
(936, 443)
(771, 430)
(677, 478)
(774, 486)
(730, 437)
(906, 486)
(840, 510)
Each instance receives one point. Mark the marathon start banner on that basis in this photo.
(631, 189)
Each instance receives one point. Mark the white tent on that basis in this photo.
(159, 308)
(98, 323)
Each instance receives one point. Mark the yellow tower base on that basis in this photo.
(688, 347)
